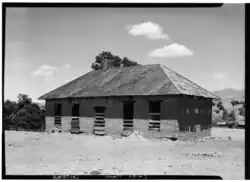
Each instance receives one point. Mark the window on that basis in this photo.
(58, 109)
(57, 118)
(75, 110)
(196, 110)
(154, 115)
(99, 123)
(75, 125)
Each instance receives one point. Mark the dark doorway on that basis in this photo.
(154, 115)
(75, 124)
(57, 116)
(99, 124)
(128, 115)
(58, 108)
(75, 110)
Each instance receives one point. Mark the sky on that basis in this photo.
(48, 47)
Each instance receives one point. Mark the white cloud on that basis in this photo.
(219, 76)
(66, 66)
(172, 50)
(45, 71)
(148, 29)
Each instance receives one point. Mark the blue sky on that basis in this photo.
(47, 47)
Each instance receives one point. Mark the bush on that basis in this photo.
(216, 119)
(23, 115)
(233, 124)
(220, 106)
(113, 61)
(242, 111)
(232, 116)
(225, 115)
(235, 102)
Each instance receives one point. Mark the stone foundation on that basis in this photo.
(168, 128)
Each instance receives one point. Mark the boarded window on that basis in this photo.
(196, 110)
(99, 124)
(154, 115)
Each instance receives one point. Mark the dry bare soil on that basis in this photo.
(42, 153)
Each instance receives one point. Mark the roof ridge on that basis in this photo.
(161, 66)
(189, 80)
(139, 65)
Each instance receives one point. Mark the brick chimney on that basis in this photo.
(106, 64)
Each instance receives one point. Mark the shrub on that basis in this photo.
(24, 114)
(113, 61)
(225, 115)
(233, 124)
(232, 116)
(220, 106)
(216, 119)
(235, 102)
(242, 111)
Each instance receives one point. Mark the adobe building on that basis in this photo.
(152, 99)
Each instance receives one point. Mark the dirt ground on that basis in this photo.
(64, 153)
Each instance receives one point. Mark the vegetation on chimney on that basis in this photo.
(114, 61)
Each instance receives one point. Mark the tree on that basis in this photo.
(96, 66)
(113, 61)
(29, 117)
(24, 114)
(225, 115)
(232, 116)
(9, 108)
(126, 62)
(220, 106)
(235, 102)
(242, 111)
(23, 99)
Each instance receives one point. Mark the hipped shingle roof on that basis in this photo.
(129, 81)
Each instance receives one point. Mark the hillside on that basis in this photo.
(228, 96)
(230, 93)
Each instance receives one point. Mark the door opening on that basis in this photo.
(57, 115)
(128, 116)
(75, 124)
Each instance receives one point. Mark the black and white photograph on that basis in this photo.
(113, 90)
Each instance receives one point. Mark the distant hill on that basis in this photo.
(230, 93)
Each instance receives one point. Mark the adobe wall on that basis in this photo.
(173, 116)
(200, 121)
(114, 107)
